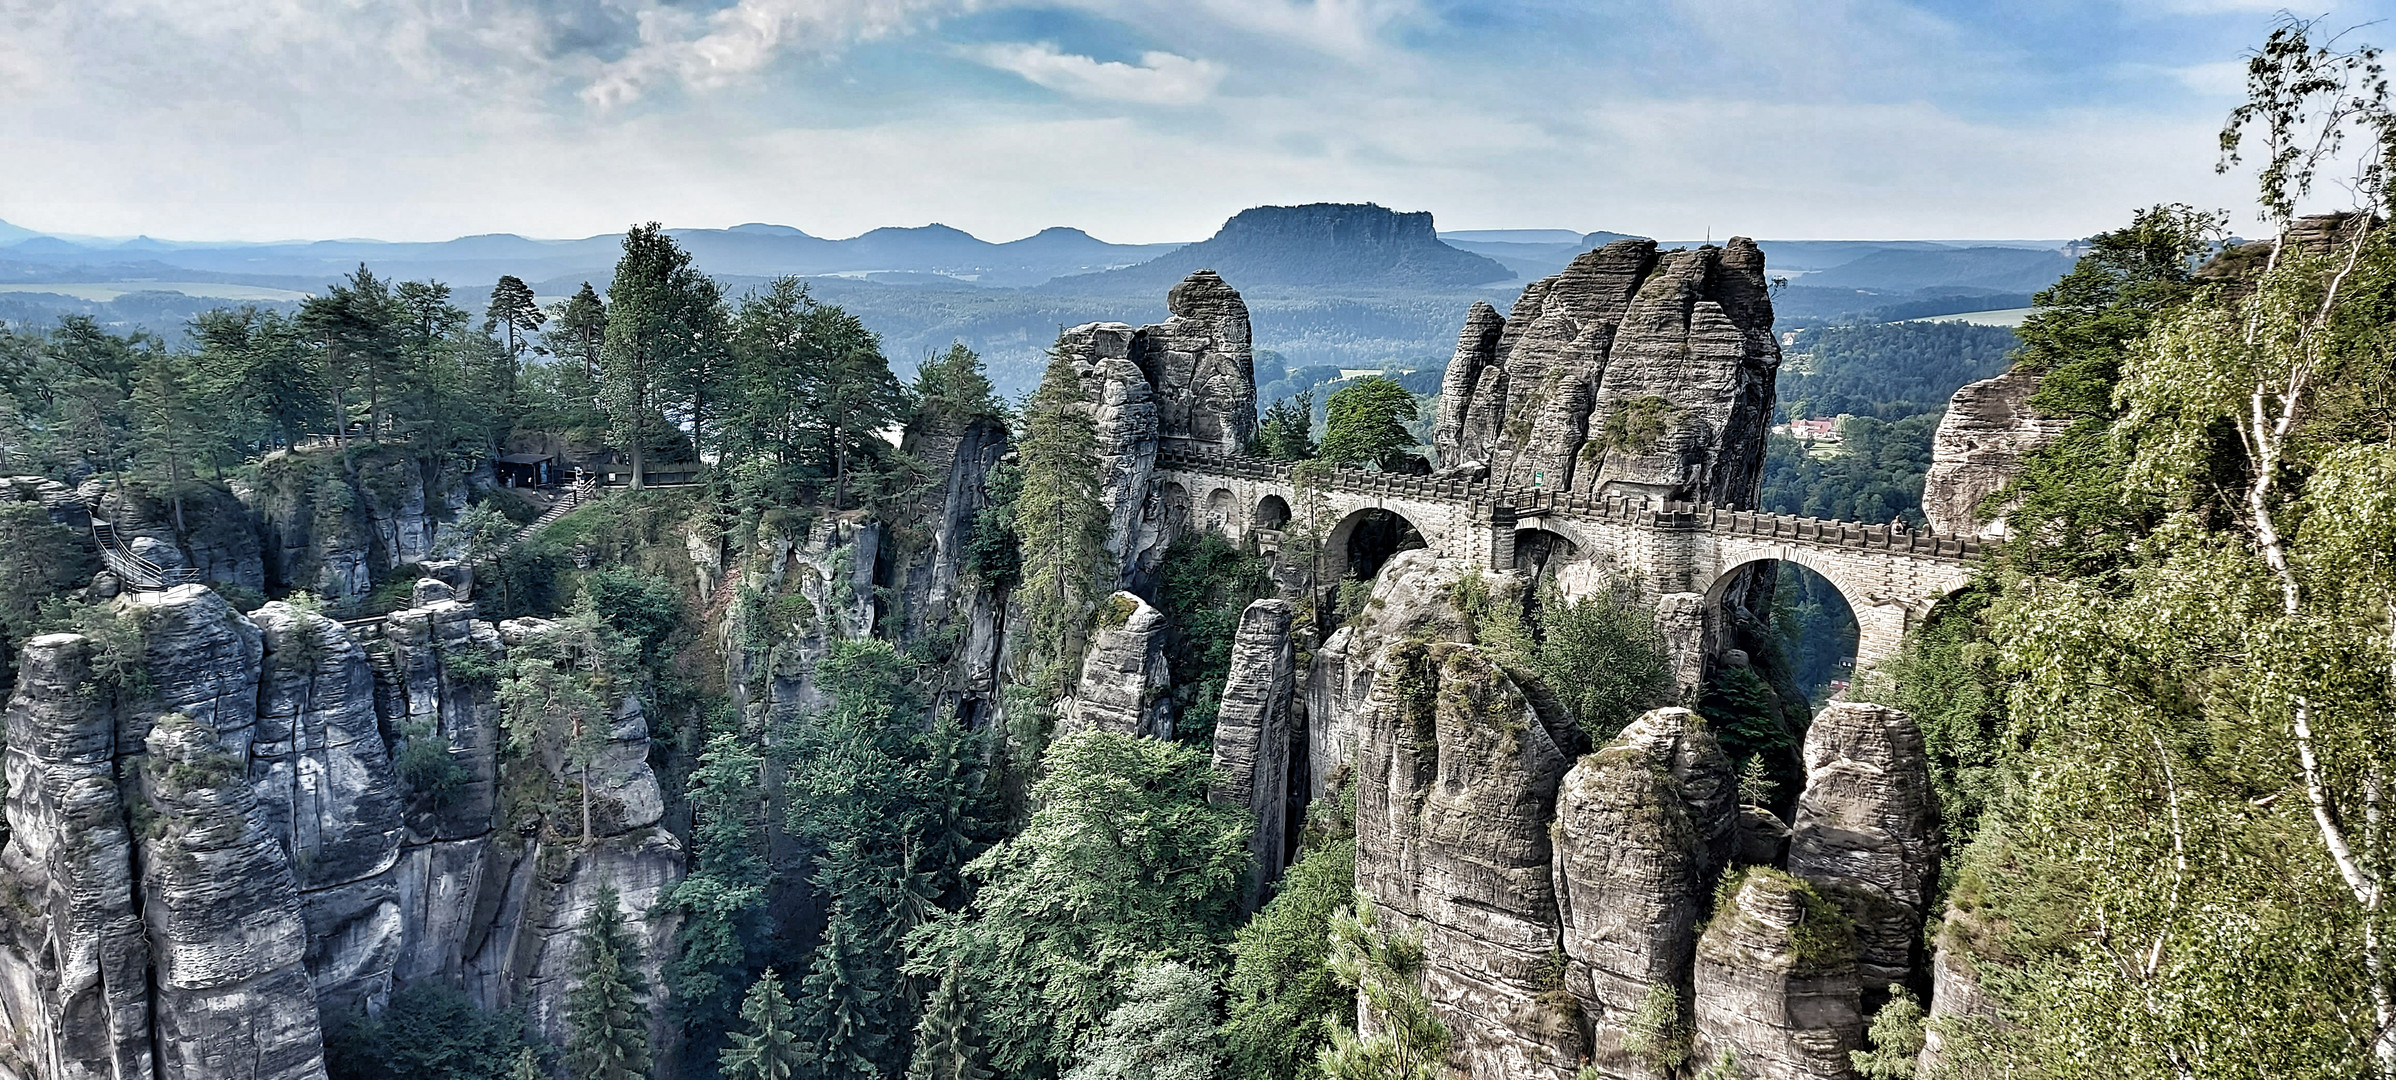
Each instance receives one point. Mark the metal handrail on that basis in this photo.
(132, 569)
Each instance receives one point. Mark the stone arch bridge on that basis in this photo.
(1683, 556)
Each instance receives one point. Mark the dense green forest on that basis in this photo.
(1886, 371)
(2157, 723)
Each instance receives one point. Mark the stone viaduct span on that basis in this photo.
(1683, 556)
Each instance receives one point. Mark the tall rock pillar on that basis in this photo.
(1252, 737)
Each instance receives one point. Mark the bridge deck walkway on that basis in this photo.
(1639, 512)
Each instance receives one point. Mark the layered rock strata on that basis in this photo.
(1866, 831)
(218, 858)
(1125, 678)
(1455, 786)
(1632, 372)
(1252, 737)
(1642, 827)
(1410, 600)
(1776, 985)
(161, 931)
(1188, 383)
(1988, 429)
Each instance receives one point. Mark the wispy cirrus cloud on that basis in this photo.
(1160, 78)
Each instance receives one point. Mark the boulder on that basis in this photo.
(1989, 427)
(1457, 770)
(1866, 831)
(1776, 983)
(1252, 737)
(1642, 827)
(1763, 838)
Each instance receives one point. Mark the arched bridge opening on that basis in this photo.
(1364, 541)
(1541, 552)
(1781, 640)
(1272, 512)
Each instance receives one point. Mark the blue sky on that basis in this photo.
(1139, 120)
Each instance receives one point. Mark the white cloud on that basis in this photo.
(1160, 78)
(747, 37)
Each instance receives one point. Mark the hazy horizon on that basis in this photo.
(1139, 122)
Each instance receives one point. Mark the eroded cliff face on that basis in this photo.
(1643, 827)
(160, 923)
(213, 862)
(1124, 674)
(1632, 372)
(1465, 782)
(339, 529)
(1989, 427)
(1456, 776)
(1776, 984)
(1867, 831)
(1253, 737)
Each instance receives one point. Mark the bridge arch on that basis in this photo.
(1221, 510)
(1881, 615)
(1542, 551)
(1272, 512)
(1364, 540)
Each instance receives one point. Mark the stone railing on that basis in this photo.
(1637, 511)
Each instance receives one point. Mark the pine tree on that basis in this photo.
(514, 308)
(607, 1026)
(951, 392)
(576, 334)
(1163, 1030)
(840, 1002)
(1286, 431)
(722, 901)
(770, 1049)
(664, 345)
(1061, 522)
(944, 1041)
(527, 1066)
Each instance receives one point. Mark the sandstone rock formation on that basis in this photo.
(217, 535)
(75, 973)
(339, 530)
(1188, 383)
(328, 792)
(931, 585)
(1642, 827)
(220, 860)
(1957, 997)
(1252, 737)
(1124, 675)
(161, 931)
(1202, 367)
(1122, 406)
(1776, 984)
(1410, 600)
(1632, 372)
(1989, 427)
(1456, 784)
(1866, 832)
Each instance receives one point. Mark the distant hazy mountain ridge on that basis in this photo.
(1319, 244)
